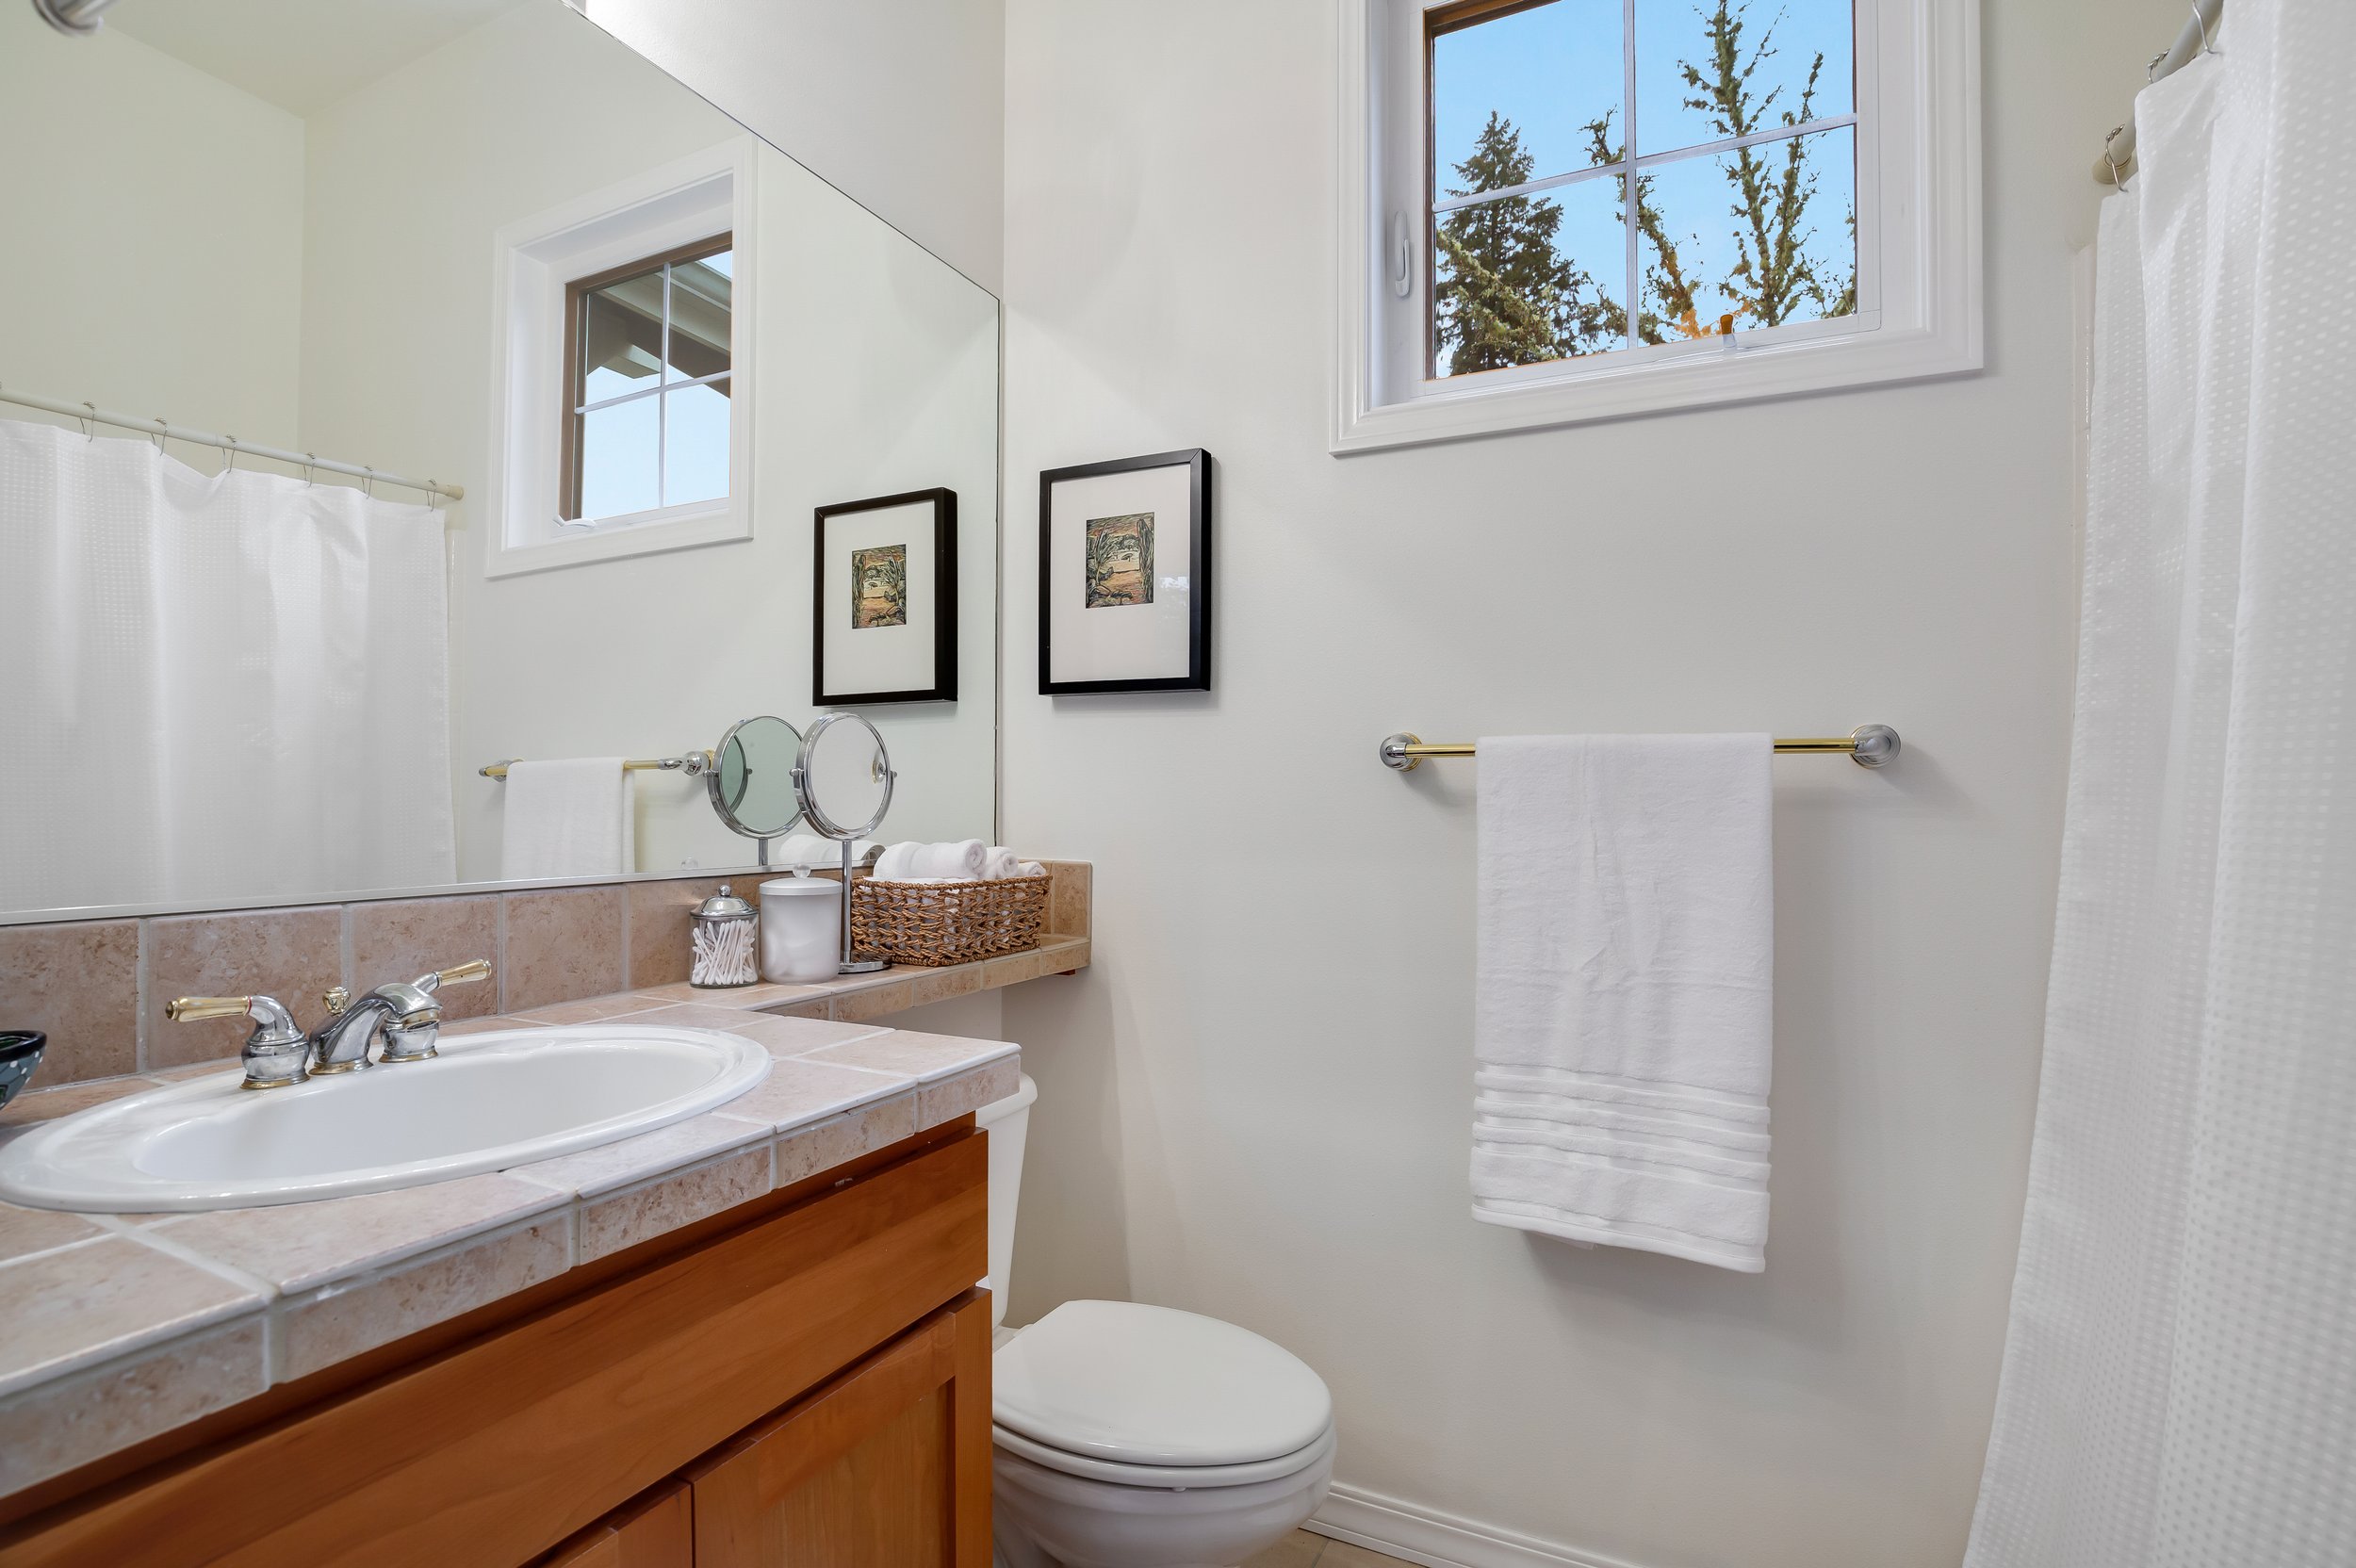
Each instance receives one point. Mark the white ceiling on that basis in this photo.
(300, 55)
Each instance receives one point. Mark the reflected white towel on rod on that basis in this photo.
(1624, 1012)
(570, 817)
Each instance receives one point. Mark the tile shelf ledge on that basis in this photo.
(224, 1305)
(97, 987)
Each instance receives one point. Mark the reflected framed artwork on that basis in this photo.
(886, 612)
(1125, 574)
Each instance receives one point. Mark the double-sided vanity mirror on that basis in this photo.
(752, 777)
(398, 392)
(844, 780)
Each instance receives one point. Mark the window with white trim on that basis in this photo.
(626, 365)
(1805, 211)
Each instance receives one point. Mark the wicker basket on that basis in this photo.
(930, 924)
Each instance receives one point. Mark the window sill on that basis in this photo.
(1500, 402)
(677, 528)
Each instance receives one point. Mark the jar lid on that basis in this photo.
(787, 887)
(723, 904)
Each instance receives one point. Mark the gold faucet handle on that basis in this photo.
(463, 974)
(335, 999)
(191, 1010)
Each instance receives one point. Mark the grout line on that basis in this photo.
(147, 1235)
(104, 1230)
(344, 944)
(623, 946)
(498, 947)
(141, 970)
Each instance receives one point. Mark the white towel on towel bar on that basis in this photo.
(571, 817)
(1622, 1022)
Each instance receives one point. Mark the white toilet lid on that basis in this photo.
(1149, 1385)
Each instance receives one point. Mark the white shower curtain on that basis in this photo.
(216, 688)
(2180, 1379)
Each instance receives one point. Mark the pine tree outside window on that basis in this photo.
(1557, 210)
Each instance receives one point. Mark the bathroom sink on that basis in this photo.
(487, 1102)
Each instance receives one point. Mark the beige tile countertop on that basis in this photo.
(121, 1327)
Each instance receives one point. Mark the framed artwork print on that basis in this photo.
(1125, 574)
(886, 615)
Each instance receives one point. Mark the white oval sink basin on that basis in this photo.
(490, 1101)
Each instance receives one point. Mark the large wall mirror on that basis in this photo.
(478, 244)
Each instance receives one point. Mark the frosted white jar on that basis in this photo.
(801, 929)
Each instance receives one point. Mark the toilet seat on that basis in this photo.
(1180, 1478)
(1148, 1396)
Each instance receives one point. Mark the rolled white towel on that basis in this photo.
(999, 862)
(965, 859)
(896, 862)
(808, 849)
(1030, 868)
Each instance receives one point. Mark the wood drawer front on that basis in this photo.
(495, 1451)
(887, 1464)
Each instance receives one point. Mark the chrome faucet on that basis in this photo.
(404, 1015)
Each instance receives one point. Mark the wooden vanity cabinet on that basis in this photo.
(807, 1382)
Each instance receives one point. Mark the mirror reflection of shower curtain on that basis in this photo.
(2179, 1387)
(223, 687)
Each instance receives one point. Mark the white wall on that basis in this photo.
(153, 226)
(899, 103)
(1256, 1103)
(875, 371)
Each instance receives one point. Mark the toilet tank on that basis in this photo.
(1007, 1121)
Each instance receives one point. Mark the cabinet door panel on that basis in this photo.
(654, 1532)
(886, 1466)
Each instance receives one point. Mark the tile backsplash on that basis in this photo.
(97, 989)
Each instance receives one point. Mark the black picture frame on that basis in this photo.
(945, 683)
(1198, 676)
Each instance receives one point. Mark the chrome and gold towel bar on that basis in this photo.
(695, 762)
(1870, 745)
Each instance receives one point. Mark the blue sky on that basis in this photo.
(1553, 67)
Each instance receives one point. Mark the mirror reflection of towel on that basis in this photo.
(567, 818)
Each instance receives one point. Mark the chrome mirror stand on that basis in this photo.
(845, 834)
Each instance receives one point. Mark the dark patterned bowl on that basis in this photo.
(20, 1053)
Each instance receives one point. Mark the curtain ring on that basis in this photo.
(310, 474)
(161, 426)
(2202, 23)
(89, 430)
(2118, 182)
(367, 483)
(231, 448)
(2151, 69)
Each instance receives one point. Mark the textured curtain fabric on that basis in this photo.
(228, 687)
(2180, 1378)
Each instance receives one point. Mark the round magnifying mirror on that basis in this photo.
(752, 777)
(844, 776)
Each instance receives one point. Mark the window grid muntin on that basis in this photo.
(579, 292)
(1440, 21)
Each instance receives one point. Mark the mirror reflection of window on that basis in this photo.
(646, 399)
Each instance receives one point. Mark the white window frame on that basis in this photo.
(1919, 261)
(694, 198)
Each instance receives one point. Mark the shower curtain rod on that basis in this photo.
(159, 428)
(2198, 38)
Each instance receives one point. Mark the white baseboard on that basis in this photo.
(1438, 1540)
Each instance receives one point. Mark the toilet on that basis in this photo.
(1130, 1436)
